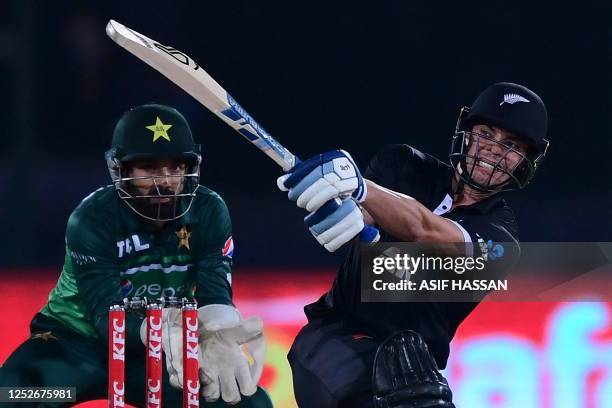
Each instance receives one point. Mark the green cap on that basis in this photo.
(152, 131)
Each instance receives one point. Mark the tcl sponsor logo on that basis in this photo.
(127, 245)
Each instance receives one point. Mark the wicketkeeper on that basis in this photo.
(155, 232)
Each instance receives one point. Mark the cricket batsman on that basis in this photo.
(353, 354)
(155, 232)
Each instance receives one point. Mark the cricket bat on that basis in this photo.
(193, 79)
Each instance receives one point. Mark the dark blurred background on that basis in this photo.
(317, 76)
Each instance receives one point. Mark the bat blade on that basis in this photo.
(193, 79)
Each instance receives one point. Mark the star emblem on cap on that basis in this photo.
(159, 130)
(183, 236)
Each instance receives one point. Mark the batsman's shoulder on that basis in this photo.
(396, 149)
(399, 158)
(404, 152)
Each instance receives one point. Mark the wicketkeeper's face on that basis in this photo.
(493, 154)
(157, 177)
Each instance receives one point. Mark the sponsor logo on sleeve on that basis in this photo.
(81, 259)
(228, 248)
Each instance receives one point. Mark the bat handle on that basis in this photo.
(369, 235)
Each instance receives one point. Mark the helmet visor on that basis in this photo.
(487, 164)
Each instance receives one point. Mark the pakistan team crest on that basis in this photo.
(159, 129)
(183, 236)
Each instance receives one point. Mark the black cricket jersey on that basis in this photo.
(406, 170)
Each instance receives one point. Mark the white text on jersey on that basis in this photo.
(126, 246)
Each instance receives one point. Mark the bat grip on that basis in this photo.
(369, 235)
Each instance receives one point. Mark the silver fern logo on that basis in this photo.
(513, 98)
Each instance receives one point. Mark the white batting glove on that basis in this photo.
(333, 225)
(323, 177)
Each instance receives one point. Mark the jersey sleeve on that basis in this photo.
(214, 256)
(92, 249)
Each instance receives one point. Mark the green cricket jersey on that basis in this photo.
(111, 254)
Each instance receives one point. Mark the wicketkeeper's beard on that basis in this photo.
(158, 203)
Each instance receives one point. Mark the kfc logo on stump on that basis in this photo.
(154, 355)
(191, 378)
(116, 356)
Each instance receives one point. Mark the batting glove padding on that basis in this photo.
(324, 177)
(232, 353)
(333, 224)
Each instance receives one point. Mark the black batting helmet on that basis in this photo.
(513, 108)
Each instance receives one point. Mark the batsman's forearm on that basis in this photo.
(398, 214)
(408, 220)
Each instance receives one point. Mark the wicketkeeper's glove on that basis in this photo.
(232, 353)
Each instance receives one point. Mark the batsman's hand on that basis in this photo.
(232, 353)
(172, 343)
(324, 177)
(333, 225)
